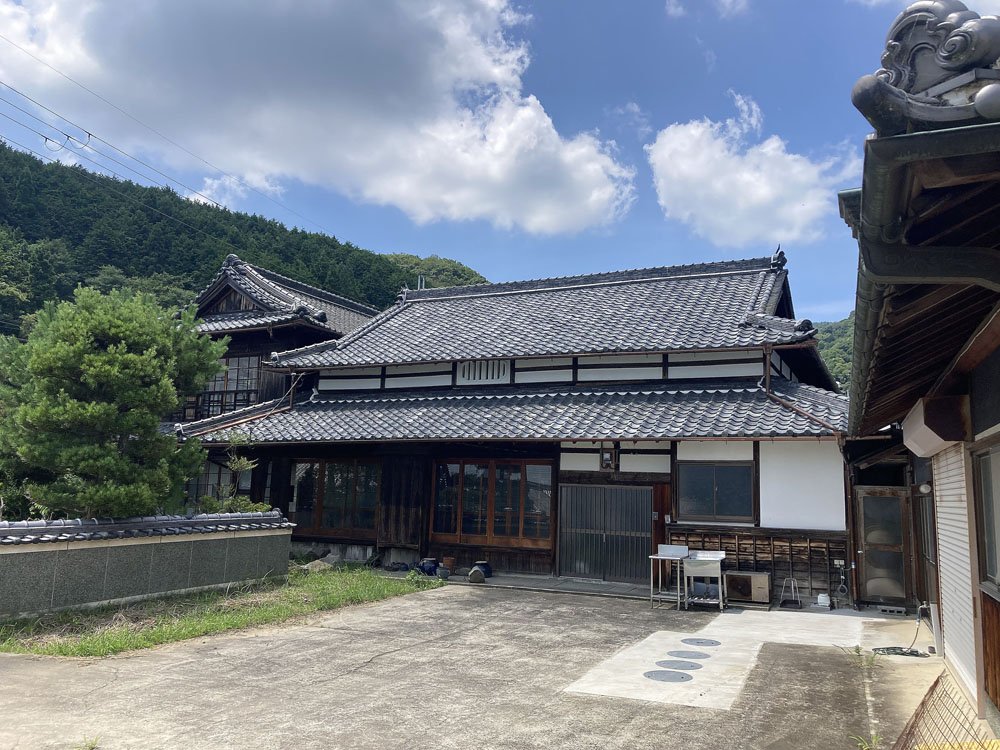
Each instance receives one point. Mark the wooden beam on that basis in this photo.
(909, 264)
(984, 341)
(937, 295)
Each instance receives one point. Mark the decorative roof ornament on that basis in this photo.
(939, 69)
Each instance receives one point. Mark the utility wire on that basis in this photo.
(91, 136)
(153, 130)
(83, 146)
(78, 152)
(127, 197)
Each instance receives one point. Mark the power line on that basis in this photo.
(91, 136)
(153, 130)
(80, 152)
(127, 197)
(70, 137)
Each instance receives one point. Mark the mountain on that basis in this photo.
(836, 345)
(61, 226)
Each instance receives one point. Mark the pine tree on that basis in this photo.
(82, 401)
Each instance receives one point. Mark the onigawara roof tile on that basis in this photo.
(733, 409)
(722, 305)
(282, 300)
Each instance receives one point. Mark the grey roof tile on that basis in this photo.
(279, 295)
(678, 410)
(95, 529)
(705, 306)
(247, 319)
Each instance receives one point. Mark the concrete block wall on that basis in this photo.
(45, 577)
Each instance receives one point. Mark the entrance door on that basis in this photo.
(884, 553)
(605, 532)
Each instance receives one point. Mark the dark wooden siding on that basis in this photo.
(803, 555)
(405, 494)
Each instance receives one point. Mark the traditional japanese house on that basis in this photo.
(927, 327)
(261, 312)
(566, 426)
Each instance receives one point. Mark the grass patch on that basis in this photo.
(113, 630)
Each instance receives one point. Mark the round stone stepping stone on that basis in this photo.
(665, 675)
(700, 642)
(688, 655)
(685, 666)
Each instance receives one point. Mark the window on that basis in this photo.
(215, 481)
(233, 388)
(338, 498)
(501, 502)
(988, 499)
(715, 492)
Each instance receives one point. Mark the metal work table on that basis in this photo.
(705, 564)
(670, 553)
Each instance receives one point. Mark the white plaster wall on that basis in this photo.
(544, 376)
(653, 463)
(715, 450)
(580, 462)
(620, 373)
(802, 485)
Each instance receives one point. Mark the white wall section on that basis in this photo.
(802, 485)
(715, 450)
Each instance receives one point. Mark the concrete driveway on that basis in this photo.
(465, 667)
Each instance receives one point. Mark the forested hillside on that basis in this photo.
(60, 226)
(836, 345)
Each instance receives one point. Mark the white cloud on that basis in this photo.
(734, 190)
(730, 8)
(675, 9)
(417, 105)
(631, 116)
(725, 8)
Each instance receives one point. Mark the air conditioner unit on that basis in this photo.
(743, 586)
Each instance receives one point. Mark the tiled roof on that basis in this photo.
(705, 306)
(246, 319)
(95, 529)
(275, 293)
(678, 410)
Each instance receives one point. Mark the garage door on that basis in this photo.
(605, 532)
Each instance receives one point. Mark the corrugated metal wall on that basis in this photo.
(605, 532)
(954, 563)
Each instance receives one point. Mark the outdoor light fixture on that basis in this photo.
(925, 488)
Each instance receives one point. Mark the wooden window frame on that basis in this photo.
(752, 519)
(224, 389)
(346, 532)
(987, 585)
(490, 539)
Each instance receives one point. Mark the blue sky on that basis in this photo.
(525, 140)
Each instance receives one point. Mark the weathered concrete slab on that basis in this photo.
(457, 667)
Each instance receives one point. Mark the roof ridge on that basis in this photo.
(601, 278)
(221, 420)
(342, 342)
(321, 294)
(279, 292)
(255, 282)
(740, 386)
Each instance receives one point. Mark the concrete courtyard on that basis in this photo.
(465, 667)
